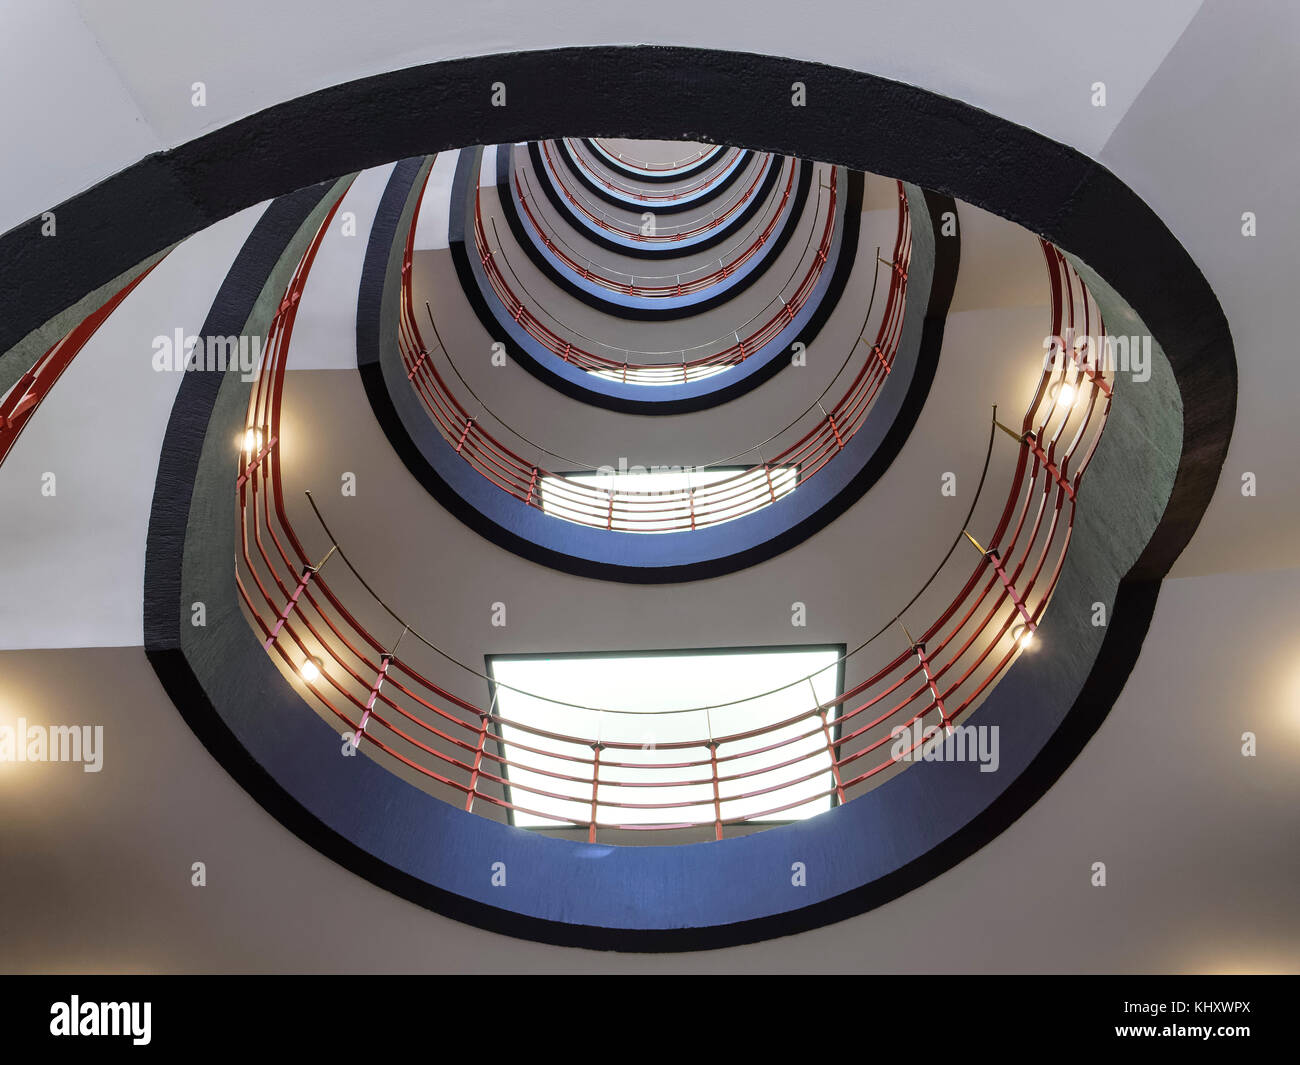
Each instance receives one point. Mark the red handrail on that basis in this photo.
(667, 291)
(663, 168)
(32, 387)
(440, 737)
(747, 489)
(414, 723)
(644, 197)
(635, 234)
(692, 369)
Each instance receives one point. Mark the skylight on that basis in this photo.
(641, 683)
(664, 498)
(667, 374)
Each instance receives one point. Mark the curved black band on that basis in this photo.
(665, 557)
(761, 366)
(664, 207)
(642, 175)
(724, 232)
(237, 680)
(715, 296)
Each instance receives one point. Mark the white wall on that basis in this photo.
(73, 564)
(122, 73)
(325, 329)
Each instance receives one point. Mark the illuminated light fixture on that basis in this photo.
(252, 440)
(310, 670)
(1063, 394)
(1023, 636)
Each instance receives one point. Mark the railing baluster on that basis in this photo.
(370, 702)
(918, 649)
(996, 561)
(830, 418)
(483, 718)
(596, 748)
(256, 461)
(830, 743)
(1029, 439)
(464, 434)
(717, 795)
(385, 660)
(308, 572)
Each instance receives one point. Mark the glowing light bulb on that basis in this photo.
(310, 670)
(1063, 394)
(252, 440)
(1023, 636)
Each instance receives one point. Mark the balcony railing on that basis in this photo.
(663, 233)
(678, 365)
(819, 434)
(19, 404)
(641, 194)
(647, 167)
(307, 609)
(650, 285)
(700, 365)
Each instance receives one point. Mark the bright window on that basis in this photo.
(668, 374)
(641, 684)
(664, 499)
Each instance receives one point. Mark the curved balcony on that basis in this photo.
(622, 227)
(757, 503)
(659, 291)
(834, 749)
(684, 379)
(659, 367)
(663, 198)
(648, 170)
(734, 495)
(19, 403)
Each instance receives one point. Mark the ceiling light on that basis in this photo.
(252, 440)
(310, 670)
(1063, 394)
(1023, 636)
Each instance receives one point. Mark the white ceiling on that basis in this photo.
(75, 569)
(114, 79)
